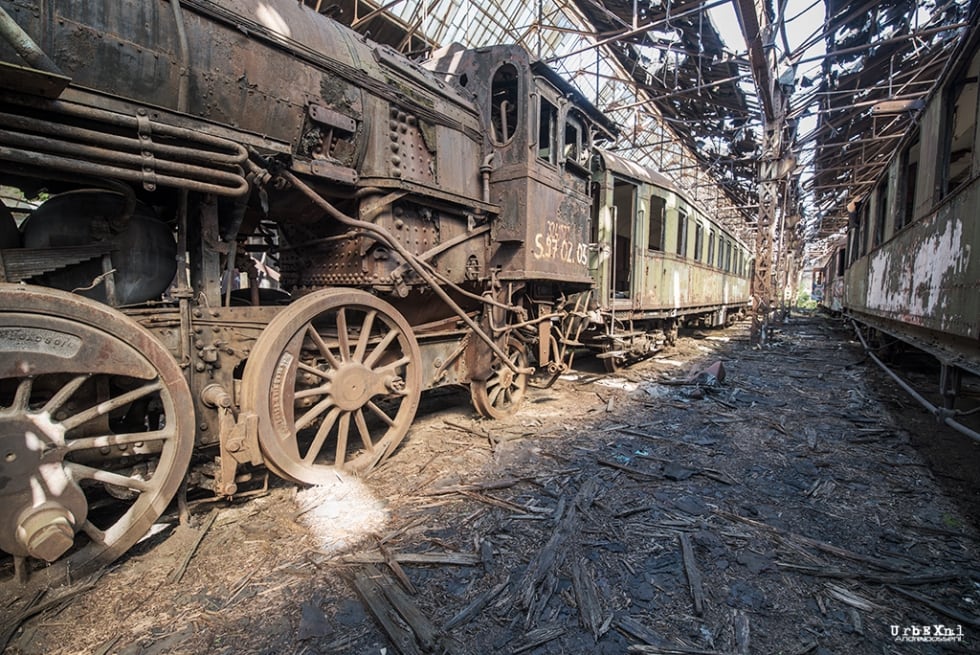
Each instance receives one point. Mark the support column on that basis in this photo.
(769, 186)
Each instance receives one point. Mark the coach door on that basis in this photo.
(623, 242)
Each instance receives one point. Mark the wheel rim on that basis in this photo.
(95, 433)
(612, 364)
(502, 393)
(335, 380)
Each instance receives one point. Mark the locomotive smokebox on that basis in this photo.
(140, 248)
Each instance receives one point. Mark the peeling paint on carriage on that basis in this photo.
(919, 276)
(926, 275)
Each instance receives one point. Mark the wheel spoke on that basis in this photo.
(380, 414)
(326, 375)
(122, 439)
(342, 340)
(321, 435)
(342, 431)
(64, 393)
(115, 403)
(362, 340)
(314, 391)
(494, 393)
(80, 471)
(380, 348)
(93, 532)
(22, 397)
(363, 429)
(322, 347)
(306, 419)
(392, 368)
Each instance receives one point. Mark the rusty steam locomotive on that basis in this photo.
(256, 238)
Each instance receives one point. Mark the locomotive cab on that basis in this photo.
(539, 135)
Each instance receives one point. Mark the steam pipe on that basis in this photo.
(383, 236)
(183, 89)
(944, 415)
(25, 46)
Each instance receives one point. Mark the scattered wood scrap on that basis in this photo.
(692, 573)
(178, 573)
(407, 627)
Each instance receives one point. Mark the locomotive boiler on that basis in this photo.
(240, 235)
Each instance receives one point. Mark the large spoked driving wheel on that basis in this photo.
(335, 380)
(96, 433)
(502, 393)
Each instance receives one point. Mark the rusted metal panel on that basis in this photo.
(542, 232)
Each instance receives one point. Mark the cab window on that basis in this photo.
(548, 132)
(504, 94)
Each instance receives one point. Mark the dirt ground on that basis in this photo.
(802, 504)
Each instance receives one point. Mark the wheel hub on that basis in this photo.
(42, 505)
(352, 386)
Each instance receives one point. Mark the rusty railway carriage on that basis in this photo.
(661, 263)
(910, 266)
(258, 238)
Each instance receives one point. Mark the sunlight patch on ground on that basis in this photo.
(341, 514)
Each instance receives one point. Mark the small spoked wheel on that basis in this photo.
(335, 381)
(612, 363)
(96, 434)
(503, 392)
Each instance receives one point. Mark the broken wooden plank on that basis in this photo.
(939, 607)
(368, 586)
(671, 650)
(741, 633)
(587, 598)
(475, 607)
(627, 469)
(633, 628)
(538, 636)
(693, 574)
(414, 633)
(178, 573)
(503, 483)
(815, 543)
(438, 559)
(873, 576)
(396, 568)
(542, 564)
(850, 598)
(496, 502)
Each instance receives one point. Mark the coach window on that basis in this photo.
(881, 213)
(658, 209)
(909, 173)
(959, 133)
(698, 241)
(682, 233)
(710, 259)
(863, 229)
(548, 132)
(728, 256)
(504, 94)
